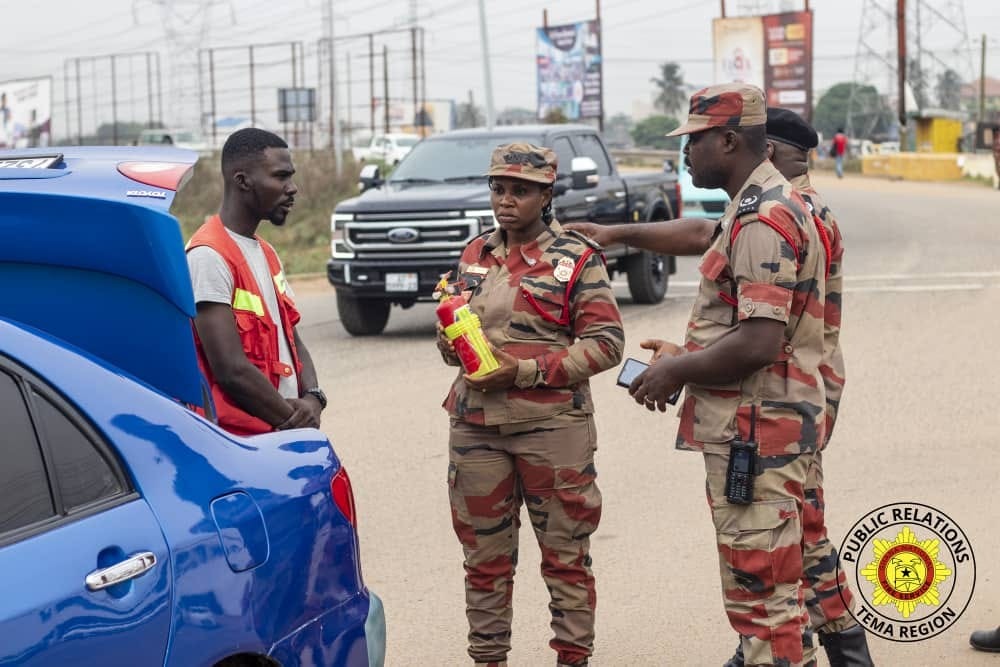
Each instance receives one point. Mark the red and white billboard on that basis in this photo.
(772, 52)
(25, 113)
(788, 74)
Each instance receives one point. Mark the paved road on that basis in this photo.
(919, 423)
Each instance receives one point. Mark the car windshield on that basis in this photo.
(451, 159)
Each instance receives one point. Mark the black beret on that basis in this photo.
(788, 127)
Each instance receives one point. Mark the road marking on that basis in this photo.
(955, 287)
(890, 277)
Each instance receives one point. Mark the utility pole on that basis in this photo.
(901, 69)
(487, 77)
(385, 86)
(423, 82)
(371, 80)
(338, 156)
(413, 68)
(982, 81)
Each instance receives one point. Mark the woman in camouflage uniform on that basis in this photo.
(525, 433)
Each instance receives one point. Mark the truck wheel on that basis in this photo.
(647, 277)
(362, 317)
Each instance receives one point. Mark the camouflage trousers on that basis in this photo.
(551, 471)
(779, 570)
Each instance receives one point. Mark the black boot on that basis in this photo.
(848, 648)
(737, 659)
(986, 640)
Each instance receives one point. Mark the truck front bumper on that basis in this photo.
(367, 279)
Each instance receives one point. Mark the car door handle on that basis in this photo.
(130, 568)
(590, 199)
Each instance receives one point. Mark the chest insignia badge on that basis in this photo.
(564, 269)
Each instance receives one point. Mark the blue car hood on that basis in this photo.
(94, 258)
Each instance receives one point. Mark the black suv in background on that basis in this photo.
(391, 244)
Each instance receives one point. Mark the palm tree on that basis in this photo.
(671, 96)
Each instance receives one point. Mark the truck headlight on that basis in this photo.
(340, 247)
(486, 219)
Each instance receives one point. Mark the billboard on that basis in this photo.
(788, 72)
(569, 70)
(772, 52)
(25, 113)
(739, 50)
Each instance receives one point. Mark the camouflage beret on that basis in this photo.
(524, 161)
(788, 127)
(728, 105)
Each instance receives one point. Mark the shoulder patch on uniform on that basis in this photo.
(750, 200)
(582, 237)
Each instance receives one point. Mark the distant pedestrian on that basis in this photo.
(839, 149)
(996, 153)
(525, 432)
(261, 375)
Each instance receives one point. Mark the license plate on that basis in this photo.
(29, 162)
(401, 282)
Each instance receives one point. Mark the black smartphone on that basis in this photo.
(632, 369)
(740, 472)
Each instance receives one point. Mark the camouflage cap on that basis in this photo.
(524, 161)
(728, 105)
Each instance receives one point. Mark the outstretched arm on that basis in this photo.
(686, 236)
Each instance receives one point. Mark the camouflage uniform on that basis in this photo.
(535, 442)
(825, 593)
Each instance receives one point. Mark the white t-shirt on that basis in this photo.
(213, 282)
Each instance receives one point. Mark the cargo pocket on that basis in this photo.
(252, 335)
(759, 549)
(539, 312)
(575, 505)
(482, 502)
(719, 305)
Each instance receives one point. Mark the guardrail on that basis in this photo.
(644, 156)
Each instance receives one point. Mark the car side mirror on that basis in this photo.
(369, 177)
(561, 186)
(584, 173)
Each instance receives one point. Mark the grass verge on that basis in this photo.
(303, 243)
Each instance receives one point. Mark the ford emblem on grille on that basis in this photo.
(403, 235)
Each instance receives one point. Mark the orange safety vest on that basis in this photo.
(257, 330)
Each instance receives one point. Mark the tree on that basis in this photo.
(617, 130)
(651, 133)
(949, 90)
(868, 111)
(467, 114)
(917, 78)
(555, 116)
(671, 96)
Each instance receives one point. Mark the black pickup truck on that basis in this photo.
(392, 243)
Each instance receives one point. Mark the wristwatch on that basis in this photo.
(320, 396)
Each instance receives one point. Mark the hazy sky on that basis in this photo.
(638, 35)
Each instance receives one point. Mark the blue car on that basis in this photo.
(699, 202)
(133, 530)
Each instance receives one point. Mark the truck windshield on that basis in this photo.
(451, 159)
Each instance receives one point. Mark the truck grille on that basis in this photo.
(410, 236)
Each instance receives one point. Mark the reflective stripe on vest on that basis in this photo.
(244, 300)
(280, 283)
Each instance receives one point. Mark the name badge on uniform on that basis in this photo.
(564, 269)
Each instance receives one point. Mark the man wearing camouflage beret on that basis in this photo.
(751, 366)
